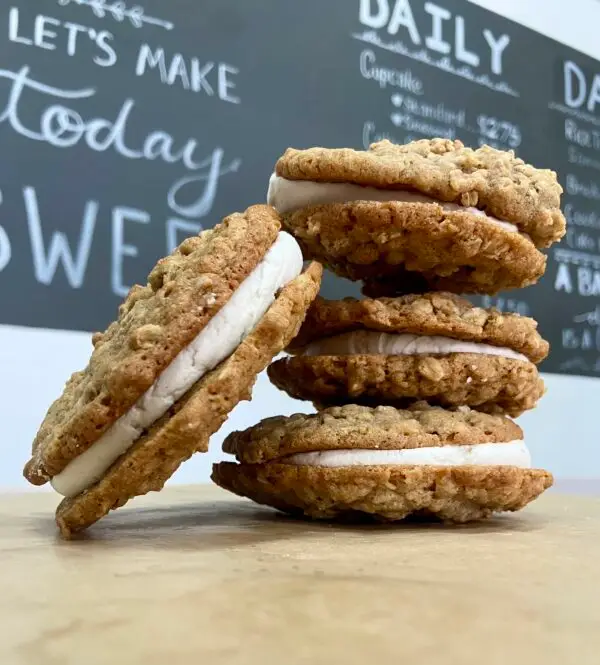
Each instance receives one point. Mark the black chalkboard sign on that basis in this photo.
(125, 128)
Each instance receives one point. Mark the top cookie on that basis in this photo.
(184, 291)
(383, 428)
(492, 180)
(443, 314)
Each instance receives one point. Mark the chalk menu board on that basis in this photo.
(126, 127)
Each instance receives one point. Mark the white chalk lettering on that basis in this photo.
(189, 74)
(115, 133)
(462, 53)
(20, 82)
(563, 280)
(73, 32)
(572, 339)
(402, 16)
(177, 70)
(62, 127)
(109, 55)
(385, 76)
(199, 75)
(120, 248)
(211, 170)
(589, 219)
(13, 28)
(152, 59)
(588, 281)
(594, 96)
(497, 48)
(380, 14)
(49, 33)
(5, 249)
(41, 32)
(578, 90)
(579, 135)
(575, 187)
(435, 41)
(580, 240)
(374, 20)
(575, 85)
(507, 304)
(46, 263)
(225, 84)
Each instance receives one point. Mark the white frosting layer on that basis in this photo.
(369, 342)
(220, 337)
(290, 195)
(514, 453)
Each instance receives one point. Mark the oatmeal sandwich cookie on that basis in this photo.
(431, 214)
(185, 349)
(392, 351)
(345, 461)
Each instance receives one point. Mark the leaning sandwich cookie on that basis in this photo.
(436, 347)
(428, 215)
(458, 466)
(185, 349)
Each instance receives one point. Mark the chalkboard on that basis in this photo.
(125, 128)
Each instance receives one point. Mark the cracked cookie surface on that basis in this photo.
(433, 313)
(265, 472)
(156, 321)
(406, 247)
(385, 493)
(187, 426)
(492, 180)
(488, 383)
(353, 426)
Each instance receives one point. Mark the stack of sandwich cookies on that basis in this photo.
(383, 462)
(431, 214)
(185, 349)
(421, 223)
(434, 346)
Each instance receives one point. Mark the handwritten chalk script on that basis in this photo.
(63, 127)
(119, 11)
(60, 116)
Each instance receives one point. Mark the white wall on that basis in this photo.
(563, 432)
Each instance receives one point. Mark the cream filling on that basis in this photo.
(290, 195)
(368, 342)
(219, 338)
(514, 453)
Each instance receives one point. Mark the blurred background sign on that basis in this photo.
(125, 128)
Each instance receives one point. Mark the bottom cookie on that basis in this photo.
(386, 493)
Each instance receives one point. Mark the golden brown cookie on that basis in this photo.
(491, 180)
(423, 314)
(394, 247)
(429, 215)
(433, 346)
(380, 428)
(188, 426)
(211, 317)
(184, 291)
(488, 383)
(385, 493)
(388, 464)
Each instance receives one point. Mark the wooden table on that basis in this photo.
(194, 575)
